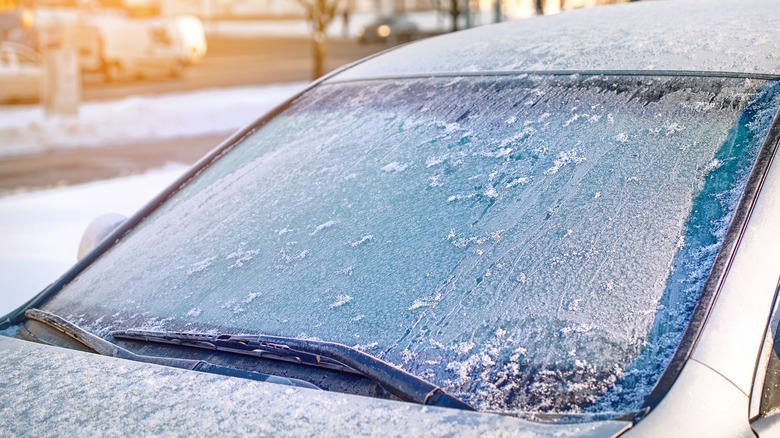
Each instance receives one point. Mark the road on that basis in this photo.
(234, 62)
(76, 166)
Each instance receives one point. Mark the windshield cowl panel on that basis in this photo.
(528, 244)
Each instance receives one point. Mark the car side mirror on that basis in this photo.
(97, 230)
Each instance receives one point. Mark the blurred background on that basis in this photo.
(105, 102)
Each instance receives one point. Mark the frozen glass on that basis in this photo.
(529, 243)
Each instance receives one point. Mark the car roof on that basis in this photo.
(681, 35)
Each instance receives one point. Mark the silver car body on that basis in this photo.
(51, 390)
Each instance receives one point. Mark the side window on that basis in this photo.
(765, 400)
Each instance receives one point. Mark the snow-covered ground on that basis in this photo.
(26, 130)
(40, 231)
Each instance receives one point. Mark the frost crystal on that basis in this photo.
(323, 226)
(340, 301)
(395, 167)
(562, 159)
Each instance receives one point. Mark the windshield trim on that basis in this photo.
(700, 314)
(519, 73)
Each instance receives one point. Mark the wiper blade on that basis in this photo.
(106, 348)
(233, 344)
(398, 382)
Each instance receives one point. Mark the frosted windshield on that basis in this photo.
(531, 244)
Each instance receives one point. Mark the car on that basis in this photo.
(122, 47)
(397, 28)
(21, 73)
(564, 226)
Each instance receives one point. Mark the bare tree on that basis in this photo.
(320, 14)
(454, 10)
(539, 7)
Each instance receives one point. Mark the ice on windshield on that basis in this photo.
(528, 243)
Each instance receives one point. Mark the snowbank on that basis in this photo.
(26, 130)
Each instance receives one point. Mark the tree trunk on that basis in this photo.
(454, 12)
(319, 54)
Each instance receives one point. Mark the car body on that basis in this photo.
(576, 235)
(21, 73)
(122, 47)
(389, 29)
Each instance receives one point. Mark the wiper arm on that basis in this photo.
(106, 348)
(232, 344)
(398, 382)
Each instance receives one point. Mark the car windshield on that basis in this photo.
(530, 243)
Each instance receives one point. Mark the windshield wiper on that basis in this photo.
(105, 348)
(398, 382)
(233, 344)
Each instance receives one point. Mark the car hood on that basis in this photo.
(50, 390)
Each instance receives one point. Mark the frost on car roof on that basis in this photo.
(530, 244)
(737, 36)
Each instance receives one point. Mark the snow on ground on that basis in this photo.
(40, 231)
(26, 130)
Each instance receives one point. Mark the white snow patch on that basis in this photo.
(251, 297)
(673, 128)
(201, 265)
(364, 239)
(451, 234)
(712, 165)
(27, 130)
(395, 167)
(323, 226)
(518, 181)
(564, 158)
(241, 256)
(340, 301)
(454, 198)
(433, 161)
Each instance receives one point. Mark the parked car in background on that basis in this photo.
(21, 73)
(389, 29)
(563, 226)
(124, 47)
